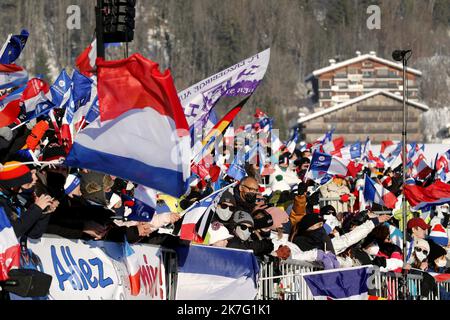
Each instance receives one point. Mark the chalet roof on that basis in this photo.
(348, 103)
(360, 58)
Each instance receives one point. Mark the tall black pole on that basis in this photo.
(99, 29)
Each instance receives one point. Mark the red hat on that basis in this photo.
(14, 174)
(417, 222)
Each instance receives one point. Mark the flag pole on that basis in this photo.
(404, 147)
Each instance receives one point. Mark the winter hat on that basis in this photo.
(262, 219)
(14, 174)
(217, 232)
(240, 217)
(439, 235)
(422, 244)
(417, 222)
(72, 182)
(326, 210)
(279, 217)
(53, 151)
(228, 197)
(308, 221)
(436, 251)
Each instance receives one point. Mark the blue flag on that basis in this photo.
(140, 211)
(60, 89)
(13, 47)
(81, 88)
(94, 111)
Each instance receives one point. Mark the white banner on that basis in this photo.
(94, 270)
(241, 79)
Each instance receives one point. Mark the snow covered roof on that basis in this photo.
(360, 58)
(371, 94)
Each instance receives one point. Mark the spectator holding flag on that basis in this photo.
(225, 210)
(25, 210)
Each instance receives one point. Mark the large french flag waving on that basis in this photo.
(142, 134)
(420, 197)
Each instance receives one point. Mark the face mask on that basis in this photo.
(224, 214)
(265, 234)
(373, 250)
(243, 234)
(421, 256)
(441, 263)
(250, 198)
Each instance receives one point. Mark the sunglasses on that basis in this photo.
(425, 252)
(225, 206)
(244, 227)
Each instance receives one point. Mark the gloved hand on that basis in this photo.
(283, 252)
(326, 260)
(333, 260)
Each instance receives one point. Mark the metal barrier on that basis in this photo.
(336, 202)
(284, 281)
(170, 261)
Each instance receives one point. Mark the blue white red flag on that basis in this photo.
(133, 266)
(139, 111)
(211, 273)
(376, 193)
(339, 284)
(12, 76)
(322, 163)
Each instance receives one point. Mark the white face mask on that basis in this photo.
(243, 234)
(441, 263)
(421, 256)
(224, 214)
(373, 250)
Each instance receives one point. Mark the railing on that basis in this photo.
(171, 268)
(336, 202)
(284, 281)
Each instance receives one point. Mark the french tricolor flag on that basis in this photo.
(9, 247)
(333, 146)
(36, 92)
(12, 75)
(133, 266)
(340, 284)
(324, 163)
(142, 134)
(420, 197)
(86, 60)
(376, 193)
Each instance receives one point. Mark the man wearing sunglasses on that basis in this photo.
(246, 193)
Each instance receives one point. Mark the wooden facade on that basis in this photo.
(379, 117)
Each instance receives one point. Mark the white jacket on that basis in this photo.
(341, 243)
(296, 253)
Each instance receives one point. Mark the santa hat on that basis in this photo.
(439, 235)
(72, 182)
(14, 174)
